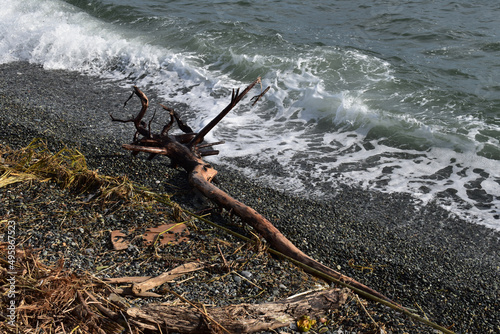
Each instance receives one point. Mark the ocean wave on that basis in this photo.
(333, 113)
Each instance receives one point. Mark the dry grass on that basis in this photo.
(49, 298)
(67, 167)
(46, 297)
(52, 299)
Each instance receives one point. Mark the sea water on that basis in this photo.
(388, 95)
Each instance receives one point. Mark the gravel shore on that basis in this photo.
(422, 257)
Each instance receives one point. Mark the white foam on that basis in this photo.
(313, 122)
(57, 36)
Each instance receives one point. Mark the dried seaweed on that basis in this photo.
(67, 167)
(51, 298)
(46, 297)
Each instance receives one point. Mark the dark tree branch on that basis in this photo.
(235, 98)
(140, 126)
(183, 126)
(256, 98)
(183, 150)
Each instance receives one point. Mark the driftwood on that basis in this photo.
(185, 150)
(141, 285)
(242, 318)
(168, 276)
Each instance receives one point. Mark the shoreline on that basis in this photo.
(421, 257)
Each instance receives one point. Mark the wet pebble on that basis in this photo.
(419, 255)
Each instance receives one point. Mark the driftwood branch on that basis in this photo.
(242, 318)
(140, 285)
(184, 151)
(267, 230)
(168, 276)
(140, 125)
(235, 98)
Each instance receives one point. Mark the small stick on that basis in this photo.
(128, 325)
(121, 280)
(129, 292)
(129, 98)
(110, 314)
(210, 152)
(256, 98)
(226, 265)
(211, 144)
(84, 304)
(151, 283)
(136, 148)
(235, 98)
(360, 303)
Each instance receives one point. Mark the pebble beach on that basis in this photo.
(422, 257)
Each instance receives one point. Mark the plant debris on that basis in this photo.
(68, 278)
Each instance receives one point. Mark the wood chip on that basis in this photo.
(166, 234)
(119, 241)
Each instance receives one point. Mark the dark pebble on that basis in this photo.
(422, 257)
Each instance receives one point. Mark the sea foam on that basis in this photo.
(331, 114)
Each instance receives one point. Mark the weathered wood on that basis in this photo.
(127, 291)
(140, 126)
(235, 98)
(185, 154)
(267, 230)
(241, 318)
(168, 276)
(121, 280)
